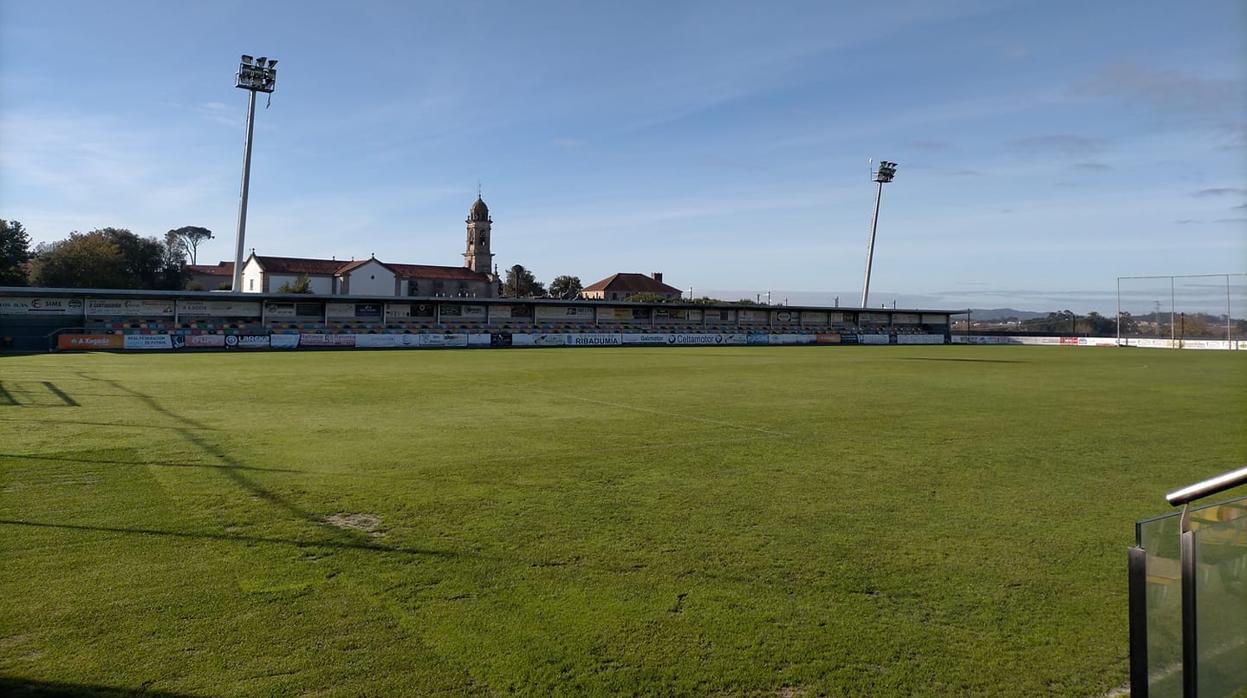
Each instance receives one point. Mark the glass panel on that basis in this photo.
(1222, 605)
(1221, 597)
(1160, 537)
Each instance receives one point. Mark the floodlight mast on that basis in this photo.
(883, 175)
(254, 75)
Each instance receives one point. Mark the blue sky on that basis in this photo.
(1044, 147)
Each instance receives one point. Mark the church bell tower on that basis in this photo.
(478, 257)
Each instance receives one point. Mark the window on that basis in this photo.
(250, 284)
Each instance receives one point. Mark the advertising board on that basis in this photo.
(398, 311)
(735, 338)
(198, 341)
(500, 339)
(522, 340)
(246, 341)
(386, 341)
(827, 338)
(643, 338)
(148, 341)
(443, 340)
(108, 307)
(905, 319)
(89, 342)
(694, 339)
(326, 340)
(556, 312)
(548, 340)
(872, 339)
(40, 306)
(785, 317)
(919, 339)
(479, 339)
(197, 308)
(751, 315)
(284, 341)
(813, 317)
(758, 338)
(596, 339)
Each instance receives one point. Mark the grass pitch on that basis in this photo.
(742, 521)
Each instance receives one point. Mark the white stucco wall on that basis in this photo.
(317, 284)
(252, 277)
(371, 279)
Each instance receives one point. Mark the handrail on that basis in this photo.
(1208, 487)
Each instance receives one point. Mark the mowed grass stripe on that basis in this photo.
(934, 521)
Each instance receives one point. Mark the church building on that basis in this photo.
(373, 277)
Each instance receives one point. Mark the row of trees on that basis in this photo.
(101, 258)
(520, 283)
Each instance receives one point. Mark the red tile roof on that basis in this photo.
(624, 282)
(218, 269)
(301, 265)
(329, 267)
(430, 271)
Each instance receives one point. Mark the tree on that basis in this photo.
(299, 285)
(189, 237)
(107, 258)
(566, 286)
(14, 253)
(521, 283)
(81, 261)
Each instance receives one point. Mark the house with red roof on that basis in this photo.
(622, 286)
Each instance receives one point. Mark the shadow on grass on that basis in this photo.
(373, 547)
(15, 688)
(100, 424)
(951, 358)
(105, 461)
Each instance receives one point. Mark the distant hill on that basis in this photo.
(990, 314)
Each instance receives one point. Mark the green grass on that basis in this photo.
(741, 521)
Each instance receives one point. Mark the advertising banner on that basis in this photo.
(835, 317)
(872, 339)
(369, 311)
(272, 310)
(905, 319)
(474, 312)
(246, 341)
(849, 338)
(326, 340)
(1069, 341)
(443, 340)
(479, 339)
(751, 315)
(148, 341)
(499, 312)
(919, 339)
(785, 317)
(196, 308)
(792, 339)
(643, 338)
(451, 311)
(548, 340)
(670, 314)
(594, 339)
(694, 339)
(555, 312)
(720, 315)
(875, 318)
(386, 341)
(758, 338)
(89, 342)
(734, 338)
(398, 311)
(340, 311)
(522, 340)
(108, 307)
(813, 317)
(198, 341)
(40, 306)
(500, 339)
(827, 338)
(423, 310)
(284, 341)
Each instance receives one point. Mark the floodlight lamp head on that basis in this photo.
(246, 59)
(272, 63)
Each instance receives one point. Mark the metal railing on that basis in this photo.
(1218, 571)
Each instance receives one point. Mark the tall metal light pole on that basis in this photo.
(257, 76)
(883, 175)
